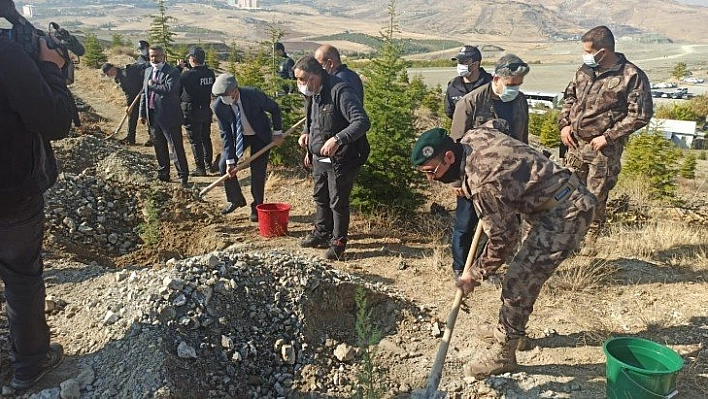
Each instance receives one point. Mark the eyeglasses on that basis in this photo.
(513, 67)
(434, 171)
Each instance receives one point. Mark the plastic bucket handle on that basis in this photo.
(656, 395)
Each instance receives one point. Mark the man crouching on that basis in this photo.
(504, 178)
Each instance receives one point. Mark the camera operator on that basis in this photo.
(34, 109)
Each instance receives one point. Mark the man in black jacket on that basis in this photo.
(196, 97)
(328, 56)
(335, 136)
(35, 108)
(470, 75)
(130, 80)
(243, 123)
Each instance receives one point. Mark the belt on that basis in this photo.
(561, 194)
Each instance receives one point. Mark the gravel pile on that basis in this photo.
(93, 212)
(227, 324)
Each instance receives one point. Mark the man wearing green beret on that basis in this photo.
(504, 178)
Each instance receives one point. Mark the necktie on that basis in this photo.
(151, 102)
(239, 131)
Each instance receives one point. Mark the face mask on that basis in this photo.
(304, 90)
(463, 70)
(589, 59)
(451, 174)
(158, 65)
(509, 93)
(144, 53)
(228, 100)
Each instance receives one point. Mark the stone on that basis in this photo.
(86, 377)
(185, 351)
(344, 352)
(110, 318)
(70, 389)
(287, 353)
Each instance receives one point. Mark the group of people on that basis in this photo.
(503, 183)
(498, 179)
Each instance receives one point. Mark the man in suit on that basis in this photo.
(243, 123)
(160, 108)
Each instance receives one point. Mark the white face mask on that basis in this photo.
(463, 70)
(144, 53)
(304, 90)
(158, 65)
(589, 59)
(228, 100)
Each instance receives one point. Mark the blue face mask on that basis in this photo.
(589, 59)
(509, 93)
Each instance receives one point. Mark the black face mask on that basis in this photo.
(453, 172)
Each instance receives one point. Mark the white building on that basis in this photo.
(28, 10)
(681, 133)
(245, 4)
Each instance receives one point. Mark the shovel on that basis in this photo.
(244, 164)
(431, 390)
(127, 112)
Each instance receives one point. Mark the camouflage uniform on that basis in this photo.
(505, 177)
(614, 104)
(477, 107)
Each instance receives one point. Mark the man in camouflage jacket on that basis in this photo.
(504, 178)
(608, 99)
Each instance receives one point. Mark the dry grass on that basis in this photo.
(579, 274)
(662, 240)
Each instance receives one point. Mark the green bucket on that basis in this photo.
(640, 369)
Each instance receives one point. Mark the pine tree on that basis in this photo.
(688, 167)
(387, 179)
(680, 70)
(212, 58)
(116, 40)
(160, 32)
(234, 58)
(94, 56)
(652, 157)
(550, 134)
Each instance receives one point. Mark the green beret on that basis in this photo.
(430, 144)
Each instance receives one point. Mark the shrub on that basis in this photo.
(688, 167)
(94, 56)
(652, 157)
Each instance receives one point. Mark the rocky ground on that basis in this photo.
(155, 295)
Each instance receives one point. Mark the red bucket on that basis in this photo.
(273, 219)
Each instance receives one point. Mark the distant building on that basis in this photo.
(681, 133)
(29, 11)
(246, 4)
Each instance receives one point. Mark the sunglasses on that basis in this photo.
(513, 67)
(434, 171)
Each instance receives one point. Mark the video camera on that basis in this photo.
(24, 33)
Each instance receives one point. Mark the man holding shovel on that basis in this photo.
(504, 178)
(243, 123)
(130, 80)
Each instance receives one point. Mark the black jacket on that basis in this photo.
(457, 88)
(34, 109)
(341, 115)
(352, 78)
(196, 86)
(130, 80)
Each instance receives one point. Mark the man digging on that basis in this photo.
(504, 178)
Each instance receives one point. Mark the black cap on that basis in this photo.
(278, 46)
(198, 54)
(468, 53)
(143, 45)
(106, 67)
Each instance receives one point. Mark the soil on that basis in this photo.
(658, 294)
